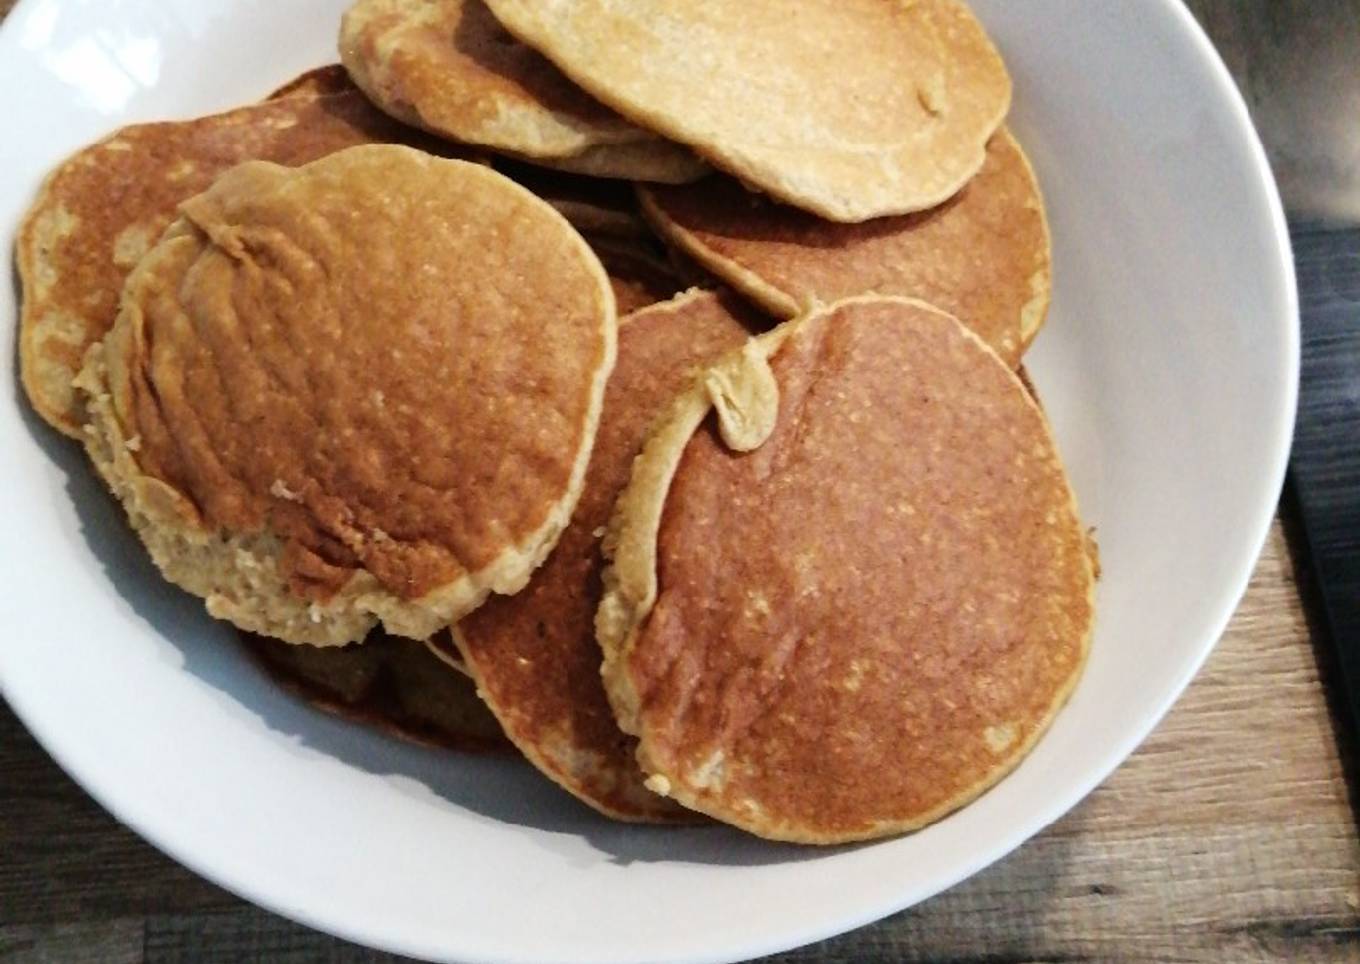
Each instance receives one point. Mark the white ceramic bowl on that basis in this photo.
(1169, 366)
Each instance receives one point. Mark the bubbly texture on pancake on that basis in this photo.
(362, 389)
(869, 616)
(392, 684)
(982, 256)
(450, 67)
(104, 207)
(852, 109)
(534, 655)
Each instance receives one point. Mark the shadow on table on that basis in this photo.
(1339, 713)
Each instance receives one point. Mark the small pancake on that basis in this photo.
(982, 256)
(449, 67)
(392, 684)
(594, 205)
(853, 599)
(105, 206)
(534, 655)
(362, 389)
(317, 82)
(851, 109)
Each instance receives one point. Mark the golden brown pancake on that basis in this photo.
(982, 256)
(104, 207)
(392, 684)
(363, 389)
(851, 109)
(854, 598)
(449, 67)
(534, 655)
(594, 205)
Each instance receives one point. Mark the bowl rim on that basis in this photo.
(1234, 587)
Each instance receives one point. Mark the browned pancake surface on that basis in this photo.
(982, 256)
(385, 365)
(852, 109)
(326, 79)
(870, 618)
(104, 208)
(450, 67)
(534, 655)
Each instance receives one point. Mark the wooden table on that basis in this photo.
(1230, 835)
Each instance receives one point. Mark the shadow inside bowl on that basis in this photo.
(499, 789)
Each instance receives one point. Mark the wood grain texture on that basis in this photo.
(1230, 835)
(1325, 468)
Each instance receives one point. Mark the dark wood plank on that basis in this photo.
(1325, 468)
(100, 942)
(63, 859)
(244, 933)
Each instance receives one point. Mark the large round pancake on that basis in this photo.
(365, 388)
(105, 206)
(534, 655)
(982, 256)
(449, 67)
(869, 614)
(852, 109)
(392, 684)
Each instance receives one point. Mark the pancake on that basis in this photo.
(534, 655)
(982, 256)
(363, 389)
(449, 67)
(319, 81)
(105, 206)
(853, 599)
(638, 275)
(851, 109)
(392, 684)
(594, 205)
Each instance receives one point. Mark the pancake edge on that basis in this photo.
(527, 28)
(666, 815)
(26, 264)
(746, 282)
(782, 304)
(625, 151)
(1035, 311)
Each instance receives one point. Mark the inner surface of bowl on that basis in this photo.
(1168, 366)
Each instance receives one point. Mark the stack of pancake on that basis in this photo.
(634, 383)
